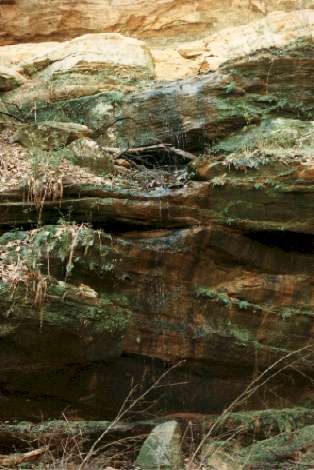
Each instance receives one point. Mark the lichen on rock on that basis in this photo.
(155, 221)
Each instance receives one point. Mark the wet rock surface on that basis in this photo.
(146, 225)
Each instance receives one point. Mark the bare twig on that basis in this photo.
(253, 386)
(9, 461)
(166, 147)
(126, 409)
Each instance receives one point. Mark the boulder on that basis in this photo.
(85, 66)
(107, 49)
(50, 135)
(89, 154)
(162, 448)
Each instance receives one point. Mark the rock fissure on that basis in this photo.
(286, 241)
(154, 223)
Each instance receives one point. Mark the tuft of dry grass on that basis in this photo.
(20, 169)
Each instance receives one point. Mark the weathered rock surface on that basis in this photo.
(13, 55)
(36, 20)
(214, 267)
(196, 57)
(190, 113)
(88, 154)
(162, 448)
(292, 449)
(50, 135)
(232, 322)
(83, 66)
(288, 450)
(172, 62)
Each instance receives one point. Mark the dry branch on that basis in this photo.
(11, 461)
(165, 147)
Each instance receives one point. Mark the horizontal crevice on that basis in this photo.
(285, 240)
(159, 156)
(17, 228)
(117, 229)
(121, 228)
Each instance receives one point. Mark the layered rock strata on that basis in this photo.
(141, 18)
(210, 262)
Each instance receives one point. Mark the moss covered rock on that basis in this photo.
(88, 154)
(84, 66)
(162, 448)
(50, 135)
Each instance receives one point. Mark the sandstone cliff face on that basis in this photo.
(38, 20)
(151, 220)
(196, 57)
(236, 233)
(187, 59)
(83, 66)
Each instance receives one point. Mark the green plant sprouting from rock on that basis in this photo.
(230, 301)
(29, 268)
